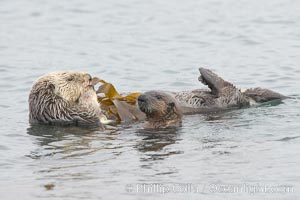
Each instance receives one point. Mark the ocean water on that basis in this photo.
(141, 45)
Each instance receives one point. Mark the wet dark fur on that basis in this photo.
(161, 109)
(221, 96)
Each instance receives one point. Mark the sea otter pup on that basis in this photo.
(161, 109)
(221, 96)
(64, 98)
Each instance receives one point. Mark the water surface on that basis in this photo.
(143, 45)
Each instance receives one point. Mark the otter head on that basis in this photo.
(161, 109)
(64, 98)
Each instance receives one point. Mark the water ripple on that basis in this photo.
(146, 45)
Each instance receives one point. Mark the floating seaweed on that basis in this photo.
(118, 107)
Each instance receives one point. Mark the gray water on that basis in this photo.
(142, 45)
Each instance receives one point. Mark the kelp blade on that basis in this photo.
(109, 90)
(117, 106)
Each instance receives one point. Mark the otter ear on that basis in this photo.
(51, 87)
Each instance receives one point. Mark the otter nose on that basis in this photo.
(90, 77)
(142, 98)
(94, 81)
(87, 77)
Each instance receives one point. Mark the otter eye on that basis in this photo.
(70, 78)
(159, 97)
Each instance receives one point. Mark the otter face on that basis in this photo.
(69, 85)
(161, 109)
(64, 98)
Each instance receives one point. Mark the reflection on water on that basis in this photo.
(69, 141)
(46, 134)
(147, 45)
(154, 142)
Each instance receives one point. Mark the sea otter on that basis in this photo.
(64, 98)
(69, 98)
(221, 96)
(162, 109)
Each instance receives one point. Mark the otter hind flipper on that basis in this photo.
(213, 81)
(261, 95)
(227, 95)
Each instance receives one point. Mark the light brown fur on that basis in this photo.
(64, 98)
